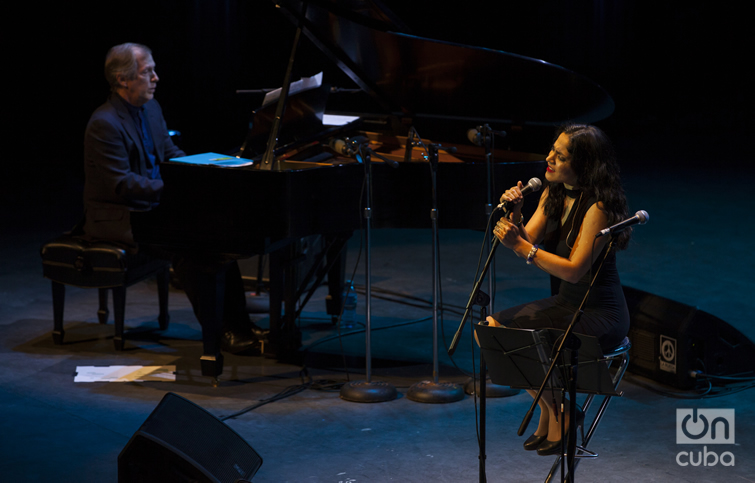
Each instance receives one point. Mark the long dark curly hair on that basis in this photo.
(593, 160)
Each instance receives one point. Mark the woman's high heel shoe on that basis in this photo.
(548, 448)
(534, 441)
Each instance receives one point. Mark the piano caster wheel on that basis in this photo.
(215, 382)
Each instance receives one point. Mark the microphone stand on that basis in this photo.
(568, 341)
(486, 141)
(473, 297)
(478, 297)
(483, 301)
(433, 391)
(484, 138)
(368, 391)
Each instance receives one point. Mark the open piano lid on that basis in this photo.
(418, 77)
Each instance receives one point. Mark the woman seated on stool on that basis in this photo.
(582, 196)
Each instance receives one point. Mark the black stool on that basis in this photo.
(70, 261)
(620, 355)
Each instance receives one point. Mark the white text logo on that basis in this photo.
(704, 426)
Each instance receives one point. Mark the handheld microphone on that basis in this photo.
(641, 217)
(532, 186)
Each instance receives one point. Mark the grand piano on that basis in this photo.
(303, 183)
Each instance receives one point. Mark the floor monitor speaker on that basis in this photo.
(180, 442)
(671, 341)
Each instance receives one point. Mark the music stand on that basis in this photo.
(520, 358)
(302, 120)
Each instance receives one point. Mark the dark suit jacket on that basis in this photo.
(116, 172)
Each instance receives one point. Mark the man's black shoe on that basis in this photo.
(241, 344)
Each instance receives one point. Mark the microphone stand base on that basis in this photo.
(491, 390)
(368, 392)
(435, 392)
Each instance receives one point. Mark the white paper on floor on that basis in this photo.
(124, 373)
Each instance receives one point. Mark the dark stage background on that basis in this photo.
(677, 71)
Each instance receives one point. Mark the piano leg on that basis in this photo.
(336, 259)
(205, 282)
(211, 319)
(285, 337)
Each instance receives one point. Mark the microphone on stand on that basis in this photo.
(409, 146)
(533, 185)
(475, 135)
(347, 146)
(641, 217)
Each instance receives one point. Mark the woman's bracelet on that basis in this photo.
(531, 256)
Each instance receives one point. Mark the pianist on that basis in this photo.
(582, 196)
(125, 141)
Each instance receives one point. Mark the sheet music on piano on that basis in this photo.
(338, 119)
(302, 119)
(302, 84)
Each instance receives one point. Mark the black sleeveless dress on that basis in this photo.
(605, 314)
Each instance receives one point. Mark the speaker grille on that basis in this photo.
(197, 437)
(643, 349)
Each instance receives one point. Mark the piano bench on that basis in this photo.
(69, 261)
